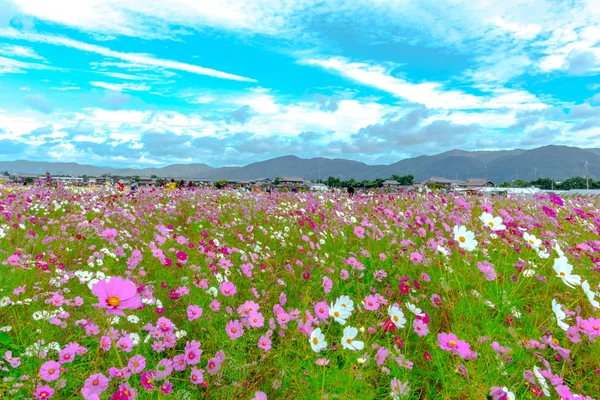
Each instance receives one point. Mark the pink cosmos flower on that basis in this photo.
(179, 362)
(137, 363)
(125, 344)
(66, 356)
(487, 269)
(192, 352)
(322, 310)
(94, 385)
(116, 295)
(14, 260)
(234, 329)
(14, 362)
(215, 305)
(256, 319)
(327, 284)
(260, 396)
(371, 303)
(109, 233)
(264, 343)
(197, 376)
(420, 327)
(194, 312)
(416, 258)
(322, 362)
(43, 392)
(359, 231)
(227, 288)
(50, 370)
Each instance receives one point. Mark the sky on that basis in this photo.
(142, 83)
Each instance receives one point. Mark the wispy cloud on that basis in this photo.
(12, 66)
(118, 87)
(430, 94)
(19, 52)
(135, 58)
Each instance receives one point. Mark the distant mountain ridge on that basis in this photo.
(558, 162)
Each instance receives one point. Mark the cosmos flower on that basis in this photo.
(317, 340)
(348, 341)
(494, 223)
(464, 238)
(532, 240)
(116, 295)
(563, 271)
(560, 315)
(396, 316)
(590, 294)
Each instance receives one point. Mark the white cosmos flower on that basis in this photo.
(560, 315)
(348, 341)
(563, 271)
(414, 309)
(213, 291)
(590, 294)
(466, 239)
(532, 240)
(346, 302)
(558, 250)
(528, 273)
(495, 223)
(339, 313)
(317, 340)
(397, 316)
(541, 380)
(442, 251)
(543, 254)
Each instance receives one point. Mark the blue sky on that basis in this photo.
(143, 83)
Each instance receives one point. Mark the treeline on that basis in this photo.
(551, 184)
(405, 180)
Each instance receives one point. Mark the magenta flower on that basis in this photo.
(109, 233)
(179, 362)
(194, 312)
(50, 370)
(487, 269)
(116, 295)
(234, 329)
(66, 356)
(359, 231)
(166, 387)
(416, 258)
(146, 380)
(43, 392)
(227, 288)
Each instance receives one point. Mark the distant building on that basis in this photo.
(478, 182)
(291, 181)
(444, 182)
(389, 184)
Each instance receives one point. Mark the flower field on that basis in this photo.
(230, 295)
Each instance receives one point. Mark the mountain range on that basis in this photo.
(558, 162)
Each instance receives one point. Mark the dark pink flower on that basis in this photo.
(43, 392)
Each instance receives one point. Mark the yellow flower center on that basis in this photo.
(336, 314)
(349, 341)
(462, 239)
(555, 341)
(452, 343)
(561, 273)
(51, 371)
(315, 341)
(95, 382)
(113, 301)
(233, 330)
(531, 241)
(491, 223)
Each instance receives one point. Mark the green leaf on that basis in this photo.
(4, 338)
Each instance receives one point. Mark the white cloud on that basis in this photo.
(134, 58)
(12, 66)
(19, 52)
(118, 87)
(431, 94)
